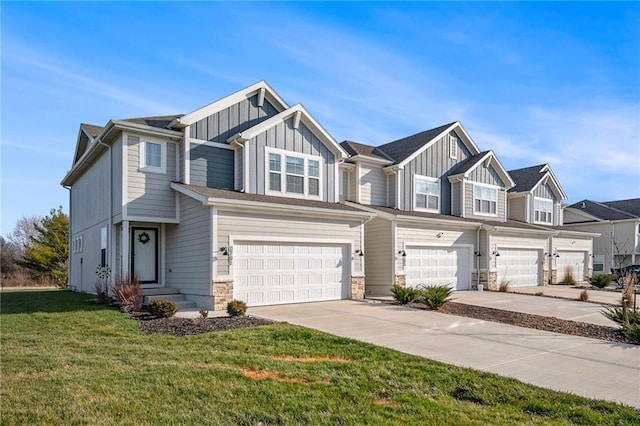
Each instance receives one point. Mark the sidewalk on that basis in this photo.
(571, 292)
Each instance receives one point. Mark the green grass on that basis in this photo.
(66, 360)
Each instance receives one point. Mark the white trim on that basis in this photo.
(415, 193)
(149, 219)
(357, 185)
(487, 160)
(336, 184)
(394, 242)
(453, 147)
(234, 98)
(125, 174)
(162, 264)
(283, 174)
(399, 173)
(261, 93)
(280, 239)
(142, 160)
(535, 210)
(186, 151)
(370, 160)
(473, 198)
(196, 141)
(213, 264)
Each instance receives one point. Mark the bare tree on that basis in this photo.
(23, 232)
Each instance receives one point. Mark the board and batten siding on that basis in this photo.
(544, 191)
(238, 224)
(301, 140)
(487, 175)
(378, 248)
(149, 194)
(237, 118)
(434, 162)
(518, 209)
(188, 252)
(373, 186)
(212, 166)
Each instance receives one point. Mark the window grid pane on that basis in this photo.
(274, 162)
(485, 199)
(427, 194)
(295, 165)
(314, 186)
(314, 168)
(275, 181)
(153, 152)
(295, 184)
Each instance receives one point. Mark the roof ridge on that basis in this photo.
(631, 216)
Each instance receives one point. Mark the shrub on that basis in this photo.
(102, 296)
(404, 295)
(236, 308)
(600, 280)
(584, 296)
(617, 315)
(504, 285)
(568, 276)
(632, 333)
(435, 296)
(162, 308)
(203, 312)
(128, 291)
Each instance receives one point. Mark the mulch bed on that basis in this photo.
(191, 326)
(537, 322)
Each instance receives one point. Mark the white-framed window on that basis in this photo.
(344, 185)
(153, 156)
(598, 263)
(453, 147)
(293, 174)
(427, 194)
(543, 210)
(485, 200)
(76, 244)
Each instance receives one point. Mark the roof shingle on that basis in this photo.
(161, 121)
(401, 149)
(527, 178)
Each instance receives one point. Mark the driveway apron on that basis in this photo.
(587, 367)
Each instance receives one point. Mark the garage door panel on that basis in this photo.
(576, 260)
(438, 266)
(520, 267)
(273, 273)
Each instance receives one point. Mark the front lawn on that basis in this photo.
(66, 360)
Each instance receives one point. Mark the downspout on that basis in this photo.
(235, 141)
(477, 254)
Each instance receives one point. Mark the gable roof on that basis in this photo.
(91, 129)
(261, 88)
(529, 178)
(401, 149)
(473, 162)
(299, 113)
(161, 122)
(356, 148)
(605, 211)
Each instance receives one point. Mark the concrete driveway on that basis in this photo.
(587, 367)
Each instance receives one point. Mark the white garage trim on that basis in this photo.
(519, 266)
(452, 265)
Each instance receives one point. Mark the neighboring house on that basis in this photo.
(251, 198)
(447, 213)
(617, 222)
(238, 199)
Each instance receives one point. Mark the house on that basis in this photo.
(617, 222)
(448, 213)
(238, 199)
(250, 198)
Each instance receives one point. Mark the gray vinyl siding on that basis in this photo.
(301, 140)
(237, 118)
(488, 175)
(211, 166)
(373, 186)
(149, 194)
(251, 224)
(116, 173)
(391, 185)
(188, 249)
(544, 191)
(433, 162)
(456, 204)
(468, 204)
(89, 196)
(378, 248)
(518, 209)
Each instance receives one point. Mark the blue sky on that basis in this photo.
(555, 83)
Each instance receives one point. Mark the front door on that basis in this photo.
(144, 254)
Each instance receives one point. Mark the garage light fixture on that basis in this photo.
(477, 253)
(224, 251)
(495, 253)
(360, 253)
(403, 253)
(439, 235)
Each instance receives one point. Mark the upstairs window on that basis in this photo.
(293, 174)
(543, 210)
(453, 147)
(153, 157)
(485, 200)
(427, 194)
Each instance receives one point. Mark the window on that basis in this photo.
(543, 209)
(344, 185)
(453, 147)
(427, 193)
(300, 175)
(598, 263)
(485, 200)
(153, 157)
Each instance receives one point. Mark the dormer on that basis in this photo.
(362, 178)
(537, 196)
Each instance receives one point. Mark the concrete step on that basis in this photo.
(161, 290)
(179, 299)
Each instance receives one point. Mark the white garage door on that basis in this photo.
(438, 266)
(275, 273)
(520, 267)
(575, 260)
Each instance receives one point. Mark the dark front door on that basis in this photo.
(144, 254)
